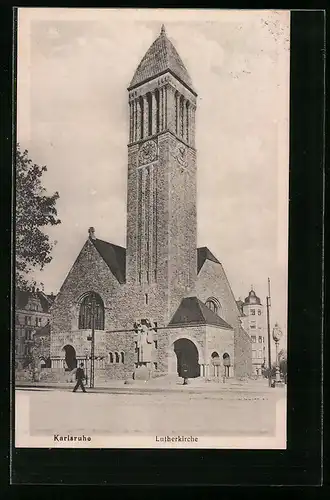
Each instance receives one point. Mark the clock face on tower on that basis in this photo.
(147, 152)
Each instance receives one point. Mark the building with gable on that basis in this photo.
(161, 275)
(32, 312)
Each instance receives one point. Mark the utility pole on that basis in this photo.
(268, 330)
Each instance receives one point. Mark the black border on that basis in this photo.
(301, 463)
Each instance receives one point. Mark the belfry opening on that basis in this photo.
(187, 356)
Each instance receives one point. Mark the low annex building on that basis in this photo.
(161, 278)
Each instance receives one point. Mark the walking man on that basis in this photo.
(80, 376)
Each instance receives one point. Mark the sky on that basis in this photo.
(74, 67)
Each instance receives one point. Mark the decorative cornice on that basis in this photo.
(132, 87)
(152, 137)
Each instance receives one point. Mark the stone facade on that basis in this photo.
(212, 283)
(32, 312)
(161, 265)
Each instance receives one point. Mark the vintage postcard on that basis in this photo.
(152, 172)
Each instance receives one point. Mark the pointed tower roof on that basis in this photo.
(160, 58)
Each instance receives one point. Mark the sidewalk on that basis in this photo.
(157, 385)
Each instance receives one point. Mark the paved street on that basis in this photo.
(239, 412)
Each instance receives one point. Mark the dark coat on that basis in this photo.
(80, 374)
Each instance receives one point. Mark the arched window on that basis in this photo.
(141, 118)
(150, 117)
(91, 305)
(226, 363)
(157, 110)
(177, 112)
(117, 357)
(182, 107)
(213, 304)
(122, 357)
(110, 357)
(215, 363)
(187, 121)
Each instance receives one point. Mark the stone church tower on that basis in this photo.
(161, 278)
(161, 262)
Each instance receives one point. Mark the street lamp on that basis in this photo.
(277, 335)
(92, 305)
(86, 364)
(268, 304)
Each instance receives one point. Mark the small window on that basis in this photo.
(117, 357)
(110, 357)
(146, 298)
(213, 305)
(37, 321)
(155, 366)
(252, 326)
(26, 320)
(253, 338)
(156, 324)
(253, 312)
(260, 339)
(259, 312)
(156, 344)
(122, 357)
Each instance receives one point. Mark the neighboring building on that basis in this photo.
(161, 276)
(253, 322)
(32, 312)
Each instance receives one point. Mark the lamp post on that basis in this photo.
(268, 330)
(91, 338)
(277, 335)
(86, 364)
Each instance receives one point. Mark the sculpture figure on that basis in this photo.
(145, 341)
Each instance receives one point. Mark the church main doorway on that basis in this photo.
(70, 358)
(187, 354)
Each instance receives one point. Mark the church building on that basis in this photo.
(161, 278)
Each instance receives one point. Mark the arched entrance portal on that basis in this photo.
(70, 358)
(187, 354)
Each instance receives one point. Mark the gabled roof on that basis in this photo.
(203, 254)
(22, 298)
(161, 57)
(114, 256)
(193, 311)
